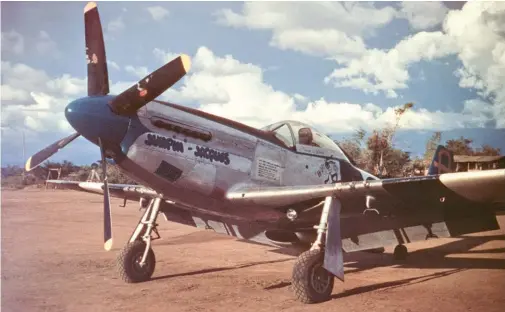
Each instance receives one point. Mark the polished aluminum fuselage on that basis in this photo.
(167, 149)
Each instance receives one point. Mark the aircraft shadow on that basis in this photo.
(433, 257)
(193, 238)
(219, 269)
(380, 286)
(394, 284)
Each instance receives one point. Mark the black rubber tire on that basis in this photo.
(128, 270)
(400, 253)
(303, 274)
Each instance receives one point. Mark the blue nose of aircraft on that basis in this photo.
(93, 119)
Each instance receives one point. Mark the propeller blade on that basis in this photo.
(98, 76)
(107, 218)
(151, 86)
(37, 159)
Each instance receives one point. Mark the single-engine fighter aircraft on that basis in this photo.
(284, 184)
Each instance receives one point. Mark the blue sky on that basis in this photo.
(338, 66)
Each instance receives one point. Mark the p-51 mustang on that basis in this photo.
(284, 184)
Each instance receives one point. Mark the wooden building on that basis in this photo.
(472, 163)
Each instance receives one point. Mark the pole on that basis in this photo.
(23, 164)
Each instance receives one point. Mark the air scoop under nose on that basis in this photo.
(93, 118)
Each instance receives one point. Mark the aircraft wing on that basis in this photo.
(486, 186)
(129, 191)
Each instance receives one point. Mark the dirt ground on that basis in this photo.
(53, 260)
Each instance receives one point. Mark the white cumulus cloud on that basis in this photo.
(378, 70)
(33, 100)
(423, 14)
(220, 85)
(158, 13)
(226, 87)
(113, 65)
(328, 29)
(478, 30)
(45, 45)
(338, 31)
(116, 24)
(137, 71)
(13, 42)
(164, 56)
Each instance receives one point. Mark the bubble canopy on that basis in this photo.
(294, 133)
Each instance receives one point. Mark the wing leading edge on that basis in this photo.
(129, 191)
(486, 186)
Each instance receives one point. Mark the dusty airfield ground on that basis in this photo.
(52, 260)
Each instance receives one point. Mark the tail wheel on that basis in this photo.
(129, 259)
(311, 282)
(400, 253)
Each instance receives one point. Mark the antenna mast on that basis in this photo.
(23, 164)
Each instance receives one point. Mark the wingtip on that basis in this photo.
(89, 6)
(186, 62)
(108, 244)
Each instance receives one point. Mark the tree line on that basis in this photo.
(376, 153)
(13, 176)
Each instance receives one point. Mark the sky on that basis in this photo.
(338, 66)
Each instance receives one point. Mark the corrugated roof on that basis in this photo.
(466, 158)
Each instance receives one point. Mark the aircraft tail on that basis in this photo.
(443, 161)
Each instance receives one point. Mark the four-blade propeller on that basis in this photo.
(126, 103)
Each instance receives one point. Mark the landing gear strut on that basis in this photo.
(136, 262)
(312, 283)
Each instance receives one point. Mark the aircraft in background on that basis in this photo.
(283, 185)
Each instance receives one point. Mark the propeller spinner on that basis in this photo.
(101, 118)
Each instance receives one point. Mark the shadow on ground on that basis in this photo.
(433, 258)
(219, 269)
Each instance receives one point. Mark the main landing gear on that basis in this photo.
(312, 283)
(136, 262)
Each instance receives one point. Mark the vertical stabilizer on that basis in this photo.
(443, 161)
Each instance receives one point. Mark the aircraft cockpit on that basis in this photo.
(298, 135)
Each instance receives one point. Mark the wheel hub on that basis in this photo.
(320, 279)
(137, 265)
